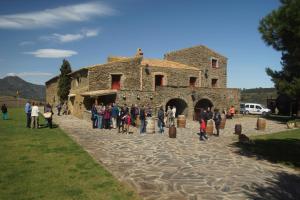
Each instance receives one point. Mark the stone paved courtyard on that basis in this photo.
(159, 167)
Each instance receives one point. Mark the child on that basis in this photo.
(203, 130)
(127, 122)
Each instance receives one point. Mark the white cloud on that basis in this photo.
(25, 74)
(52, 53)
(26, 43)
(91, 32)
(67, 37)
(63, 38)
(55, 16)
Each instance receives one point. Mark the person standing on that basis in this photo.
(160, 119)
(127, 122)
(48, 109)
(148, 111)
(28, 114)
(173, 115)
(4, 112)
(100, 113)
(169, 115)
(94, 116)
(120, 121)
(106, 116)
(143, 120)
(203, 129)
(114, 115)
(217, 119)
(34, 115)
(231, 112)
(209, 113)
(58, 108)
(132, 114)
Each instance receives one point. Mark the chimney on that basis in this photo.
(139, 53)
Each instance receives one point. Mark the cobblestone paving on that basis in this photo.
(159, 167)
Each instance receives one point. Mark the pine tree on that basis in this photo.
(281, 30)
(64, 84)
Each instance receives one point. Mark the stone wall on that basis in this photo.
(80, 82)
(220, 98)
(100, 76)
(172, 77)
(201, 57)
(51, 91)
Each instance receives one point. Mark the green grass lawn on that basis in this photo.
(47, 164)
(282, 147)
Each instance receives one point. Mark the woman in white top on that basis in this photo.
(34, 115)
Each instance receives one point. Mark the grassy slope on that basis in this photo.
(282, 147)
(47, 164)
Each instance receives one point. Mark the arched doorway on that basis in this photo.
(181, 106)
(201, 104)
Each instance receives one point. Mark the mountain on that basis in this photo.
(11, 84)
(258, 95)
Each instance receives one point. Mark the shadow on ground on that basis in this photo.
(286, 151)
(285, 187)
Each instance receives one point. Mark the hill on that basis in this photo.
(258, 95)
(11, 84)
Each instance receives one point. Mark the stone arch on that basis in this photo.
(180, 104)
(203, 103)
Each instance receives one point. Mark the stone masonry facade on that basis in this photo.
(189, 79)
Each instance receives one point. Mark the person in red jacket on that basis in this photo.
(127, 122)
(203, 129)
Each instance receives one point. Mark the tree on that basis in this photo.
(64, 84)
(281, 30)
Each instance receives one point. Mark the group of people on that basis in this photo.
(122, 117)
(62, 108)
(205, 115)
(32, 115)
(113, 116)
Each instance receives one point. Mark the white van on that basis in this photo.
(255, 108)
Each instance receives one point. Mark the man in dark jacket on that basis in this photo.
(160, 121)
(4, 112)
(143, 120)
(217, 118)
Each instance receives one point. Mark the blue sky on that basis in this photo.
(37, 35)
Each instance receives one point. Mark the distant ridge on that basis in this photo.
(258, 95)
(11, 84)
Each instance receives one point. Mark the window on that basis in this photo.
(159, 80)
(193, 81)
(214, 63)
(214, 82)
(116, 81)
(258, 107)
(247, 106)
(251, 106)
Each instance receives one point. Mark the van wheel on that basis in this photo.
(247, 112)
(264, 114)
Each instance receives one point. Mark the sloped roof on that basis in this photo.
(167, 64)
(194, 47)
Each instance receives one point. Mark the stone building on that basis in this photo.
(189, 79)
